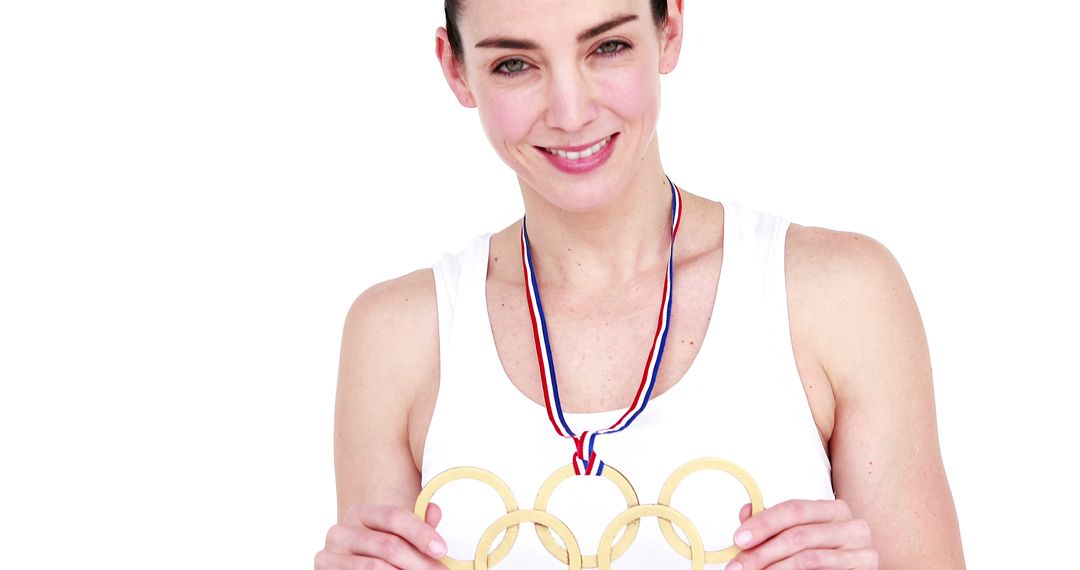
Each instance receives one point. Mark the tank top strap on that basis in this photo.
(459, 289)
(753, 246)
(772, 243)
(758, 299)
(757, 252)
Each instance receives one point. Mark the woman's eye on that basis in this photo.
(611, 47)
(511, 67)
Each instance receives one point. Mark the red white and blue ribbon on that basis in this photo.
(584, 460)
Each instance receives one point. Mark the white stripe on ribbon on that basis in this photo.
(582, 462)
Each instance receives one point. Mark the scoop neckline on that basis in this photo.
(655, 399)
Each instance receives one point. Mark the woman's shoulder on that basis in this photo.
(397, 317)
(397, 299)
(389, 350)
(389, 357)
(837, 266)
(844, 289)
(842, 273)
(401, 315)
(390, 342)
(827, 250)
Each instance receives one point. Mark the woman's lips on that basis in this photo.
(580, 159)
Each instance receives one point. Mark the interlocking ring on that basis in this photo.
(756, 505)
(590, 560)
(492, 481)
(608, 549)
(664, 514)
(512, 520)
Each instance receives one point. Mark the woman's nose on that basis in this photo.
(571, 100)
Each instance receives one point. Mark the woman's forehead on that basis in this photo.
(542, 19)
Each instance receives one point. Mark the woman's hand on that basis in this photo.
(803, 535)
(383, 537)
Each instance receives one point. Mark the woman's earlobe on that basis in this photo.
(464, 93)
(466, 99)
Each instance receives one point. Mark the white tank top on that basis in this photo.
(741, 400)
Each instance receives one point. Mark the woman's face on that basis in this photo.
(568, 92)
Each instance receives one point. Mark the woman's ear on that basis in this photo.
(671, 37)
(452, 69)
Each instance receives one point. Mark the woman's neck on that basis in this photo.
(605, 247)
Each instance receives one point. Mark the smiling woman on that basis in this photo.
(605, 329)
(539, 101)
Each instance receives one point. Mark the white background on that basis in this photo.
(194, 192)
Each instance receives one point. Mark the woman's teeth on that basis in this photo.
(575, 155)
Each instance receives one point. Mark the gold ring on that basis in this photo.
(629, 519)
(511, 521)
(492, 481)
(564, 473)
(756, 504)
(663, 513)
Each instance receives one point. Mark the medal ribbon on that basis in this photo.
(584, 459)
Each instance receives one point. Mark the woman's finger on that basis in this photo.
(796, 512)
(865, 559)
(401, 522)
(333, 561)
(360, 542)
(837, 536)
(745, 513)
(433, 515)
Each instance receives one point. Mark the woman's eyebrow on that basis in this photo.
(517, 43)
(507, 43)
(608, 25)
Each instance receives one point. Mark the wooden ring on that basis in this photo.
(665, 513)
(756, 504)
(512, 520)
(492, 481)
(564, 473)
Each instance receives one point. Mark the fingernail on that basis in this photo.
(742, 538)
(437, 548)
(734, 566)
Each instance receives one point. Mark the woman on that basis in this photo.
(809, 331)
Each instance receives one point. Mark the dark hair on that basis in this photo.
(453, 8)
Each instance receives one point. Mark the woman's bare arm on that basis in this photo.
(389, 350)
(884, 448)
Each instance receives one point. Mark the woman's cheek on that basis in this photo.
(509, 117)
(631, 92)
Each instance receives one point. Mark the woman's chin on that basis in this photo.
(578, 196)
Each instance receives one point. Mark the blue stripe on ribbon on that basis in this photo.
(584, 462)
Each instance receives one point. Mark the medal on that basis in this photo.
(584, 459)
